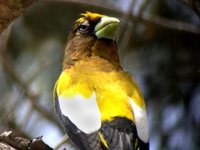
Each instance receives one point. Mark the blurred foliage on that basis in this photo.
(162, 55)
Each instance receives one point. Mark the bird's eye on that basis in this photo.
(84, 27)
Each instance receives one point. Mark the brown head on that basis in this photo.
(92, 36)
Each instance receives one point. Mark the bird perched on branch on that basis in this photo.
(99, 105)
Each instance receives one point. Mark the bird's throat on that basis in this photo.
(101, 50)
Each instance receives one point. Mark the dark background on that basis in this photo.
(159, 44)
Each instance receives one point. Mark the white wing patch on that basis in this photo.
(83, 112)
(140, 121)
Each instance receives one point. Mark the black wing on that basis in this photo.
(118, 134)
(121, 134)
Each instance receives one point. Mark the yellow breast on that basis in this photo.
(113, 90)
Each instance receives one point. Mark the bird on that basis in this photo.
(99, 105)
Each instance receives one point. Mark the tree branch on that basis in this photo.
(11, 9)
(10, 141)
(151, 19)
(171, 24)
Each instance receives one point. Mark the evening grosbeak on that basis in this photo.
(100, 106)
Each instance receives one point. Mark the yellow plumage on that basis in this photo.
(92, 76)
(113, 89)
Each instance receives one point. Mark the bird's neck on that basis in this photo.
(99, 50)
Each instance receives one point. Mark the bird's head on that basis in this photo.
(96, 25)
(92, 35)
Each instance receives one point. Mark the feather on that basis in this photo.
(99, 105)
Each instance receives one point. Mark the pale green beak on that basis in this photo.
(106, 28)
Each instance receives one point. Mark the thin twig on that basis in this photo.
(130, 25)
(26, 117)
(63, 140)
(171, 24)
(125, 24)
(142, 8)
